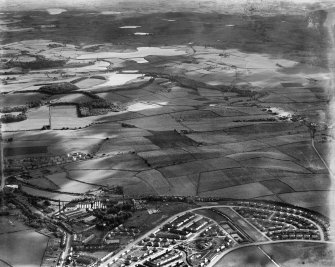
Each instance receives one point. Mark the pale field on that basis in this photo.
(77, 98)
(36, 119)
(123, 143)
(127, 179)
(67, 185)
(64, 116)
(198, 167)
(315, 182)
(47, 194)
(154, 123)
(306, 199)
(125, 162)
(232, 160)
(27, 246)
(183, 185)
(267, 163)
(260, 154)
(156, 180)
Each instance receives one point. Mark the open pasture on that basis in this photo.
(312, 182)
(44, 183)
(305, 199)
(164, 157)
(125, 162)
(183, 185)
(251, 190)
(198, 167)
(211, 137)
(47, 194)
(304, 153)
(299, 254)
(123, 144)
(36, 119)
(277, 186)
(268, 163)
(68, 185)
(156, 180)
(70, 98)
(28, 247)
(214, 180)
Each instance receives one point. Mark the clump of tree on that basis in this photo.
(58, 88)
(8, 118)
(14, 109)
(40, 62)
(97, 107)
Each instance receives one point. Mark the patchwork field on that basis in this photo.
(211, 119)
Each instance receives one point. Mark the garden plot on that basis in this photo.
(244, 191)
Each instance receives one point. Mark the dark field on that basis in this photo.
(284, 35)
(19, 151)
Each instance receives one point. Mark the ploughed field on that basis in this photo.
(177, 119)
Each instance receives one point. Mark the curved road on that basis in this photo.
(212, 263)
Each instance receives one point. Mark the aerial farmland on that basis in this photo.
(103, 128)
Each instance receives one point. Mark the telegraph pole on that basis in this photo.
(50, 117)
